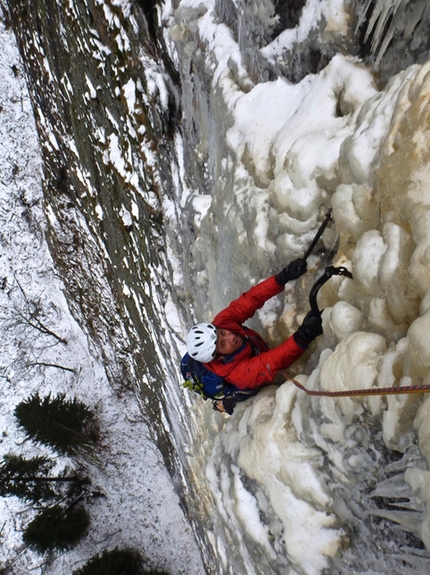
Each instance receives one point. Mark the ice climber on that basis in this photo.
(228, 362)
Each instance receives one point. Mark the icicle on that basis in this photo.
(408, 520)
(393, 487)
(415, 558)
(376, 28)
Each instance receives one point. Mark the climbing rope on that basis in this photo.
(360, 392)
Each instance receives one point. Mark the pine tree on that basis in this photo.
(56, 529)
(116, 562)
(29, 479)
(63, 424)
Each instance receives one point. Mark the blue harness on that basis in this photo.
(208, 384)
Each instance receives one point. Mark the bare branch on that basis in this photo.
(45, 364)
(31, 316)
(34, 322)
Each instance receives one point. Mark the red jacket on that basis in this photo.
(247, 368)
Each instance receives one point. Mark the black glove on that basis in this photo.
(292, 271)
(310, 329)
(225, 405)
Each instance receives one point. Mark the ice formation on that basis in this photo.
(266, 142)
(292, 150)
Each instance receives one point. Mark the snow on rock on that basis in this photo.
(137, 506)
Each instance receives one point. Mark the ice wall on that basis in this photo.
(284, 153)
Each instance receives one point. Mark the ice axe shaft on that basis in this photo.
(318, 235)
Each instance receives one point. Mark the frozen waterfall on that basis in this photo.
(190, 150)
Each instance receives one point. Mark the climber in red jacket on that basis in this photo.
(237, 353)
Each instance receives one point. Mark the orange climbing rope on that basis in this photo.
(357, 392)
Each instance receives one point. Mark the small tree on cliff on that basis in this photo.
(66, 425)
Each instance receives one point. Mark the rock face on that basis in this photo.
(105, 109)
(214, 134)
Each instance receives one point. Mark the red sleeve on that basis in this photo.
(262, 369)
(248, 303)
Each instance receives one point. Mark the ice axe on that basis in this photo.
(329, 271)
(318, 234)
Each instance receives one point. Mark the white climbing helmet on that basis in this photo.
(201, 342)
